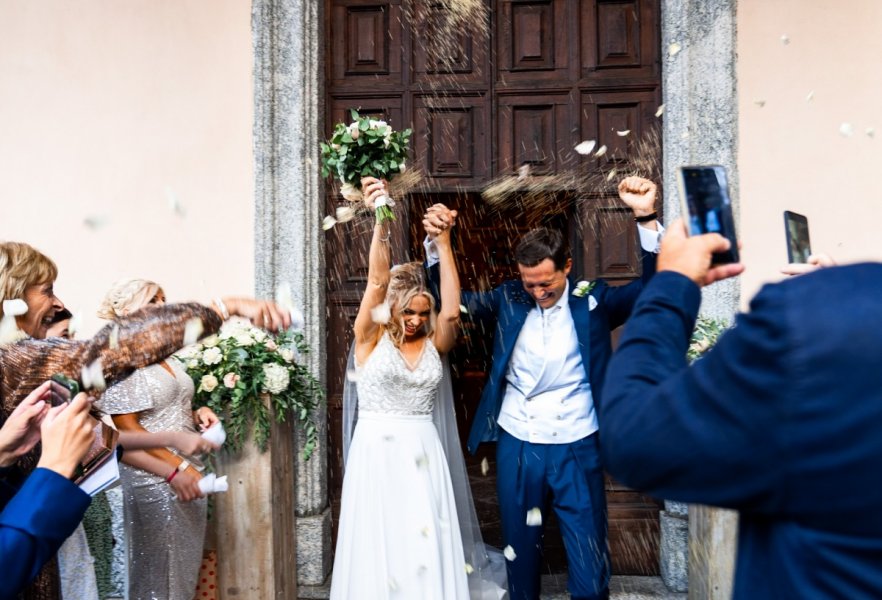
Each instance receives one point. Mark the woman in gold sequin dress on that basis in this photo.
(164, 510)
(146, 336)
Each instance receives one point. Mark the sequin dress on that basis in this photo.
(163, 536)
(399, 534)
(146, 336)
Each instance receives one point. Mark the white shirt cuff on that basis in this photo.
(432, 257)
(650, 239)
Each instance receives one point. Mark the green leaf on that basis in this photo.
(354, 114)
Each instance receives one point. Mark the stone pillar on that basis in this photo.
(701, 127)
(289, 241)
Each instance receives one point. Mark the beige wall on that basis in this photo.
(110, 109)
(791, 153)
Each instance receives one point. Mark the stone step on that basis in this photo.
(554, 587)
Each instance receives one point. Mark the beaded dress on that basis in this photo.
(399, 534)
(163, 536)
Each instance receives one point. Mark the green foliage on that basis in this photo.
(364, 148)
(705, 335)
(244, 373)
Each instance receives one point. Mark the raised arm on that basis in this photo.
(379, 264)
(448, 314)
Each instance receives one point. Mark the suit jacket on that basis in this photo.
(781, 420)
(34, 524)
(504, 309)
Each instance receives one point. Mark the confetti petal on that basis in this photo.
(523, 172)
(846, 130)
(586, 147)
(92, 376)
(328, 222)
(611, 175)
(600, 151)
(760, 103)
(352, 375)
(871, 132)
(9, 331)
(623, 133)
(674, 49)
(381, 313)
(15, 308)
(422, 461)
(95, 222)
(810, 96)
(485, 466)
(469, 569)
(465, 311)
(192, 330)
(75, 324)
(174, 204)
(660, 110)
(345, 213)
(534, 517)
(509, 553)
(113, 338)
(785, 39)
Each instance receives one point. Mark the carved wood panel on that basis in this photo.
(550, 74)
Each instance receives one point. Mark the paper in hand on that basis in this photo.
(212, 484)
(215, 434)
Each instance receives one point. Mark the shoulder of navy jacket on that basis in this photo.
(514, 292)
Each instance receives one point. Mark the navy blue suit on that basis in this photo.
(568, 475)
(34, 524)
(781, 420)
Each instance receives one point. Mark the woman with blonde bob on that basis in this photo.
(398, 531)
(165, 512)
(146, 336)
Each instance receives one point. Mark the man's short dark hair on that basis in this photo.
(541, 243)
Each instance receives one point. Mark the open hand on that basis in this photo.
(691, 256)
(204, 418)
(262, 313)
(815, 262)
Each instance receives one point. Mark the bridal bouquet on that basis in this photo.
(365, 148)
(243, 370)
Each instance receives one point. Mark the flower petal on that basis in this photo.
(846, 130)
(509, 553)
(623, 133)
(586, 147)
(485, 466)
(674, 49)
(660, 110)
(381, 313)
(328, 222)
(600, 151)
(534, 517)
(345, 213)
(15, 308)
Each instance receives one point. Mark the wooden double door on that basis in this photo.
(498, 98)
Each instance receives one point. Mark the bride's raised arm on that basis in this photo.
(379, 264)
(447, 327)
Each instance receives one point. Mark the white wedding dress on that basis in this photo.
(399, 534)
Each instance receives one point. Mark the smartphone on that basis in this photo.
(707, 207)
(799, 247)
(62, 389)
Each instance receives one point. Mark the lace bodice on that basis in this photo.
(387, 385)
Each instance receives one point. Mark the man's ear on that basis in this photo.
(568, 266)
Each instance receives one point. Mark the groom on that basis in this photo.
(551, 347)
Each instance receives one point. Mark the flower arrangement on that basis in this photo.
(237, 369)
(706, 333)
(365, 148)
(583, 288)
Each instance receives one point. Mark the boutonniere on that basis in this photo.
(583, 288)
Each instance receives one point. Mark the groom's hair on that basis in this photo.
(541, 243)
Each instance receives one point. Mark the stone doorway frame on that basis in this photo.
(700, 126)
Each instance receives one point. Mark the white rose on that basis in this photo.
(211, 341)
(287, 354)
(275, 378)
(258, 334)
(271, 345)
(207, 383)
(243, 339)
(401, 167)
(192, 364)
(212, 356)
(351, 193)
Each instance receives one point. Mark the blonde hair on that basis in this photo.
(406, 282)
(22, 266)
(126, 296)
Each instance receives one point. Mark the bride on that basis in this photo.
(400, 532)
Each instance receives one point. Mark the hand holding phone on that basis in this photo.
(707, 207)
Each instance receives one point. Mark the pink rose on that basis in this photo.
(230, 380)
